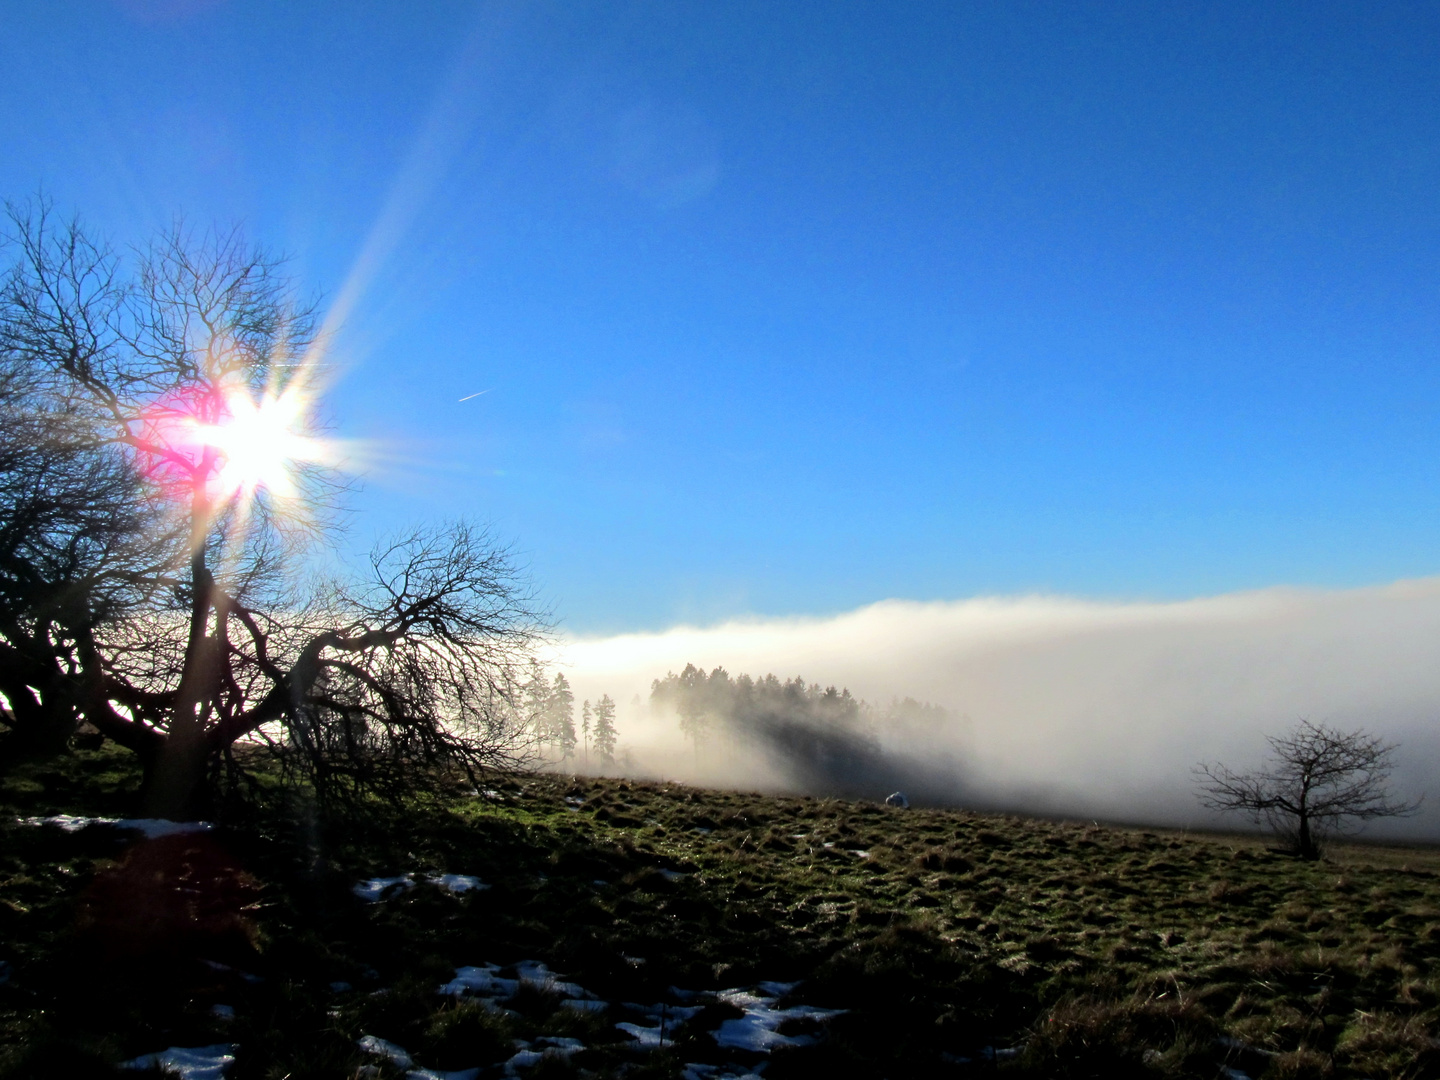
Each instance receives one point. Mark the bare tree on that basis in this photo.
(1321, 778)
(156, 570)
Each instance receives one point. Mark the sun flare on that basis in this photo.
(261, 443)
(224, 443)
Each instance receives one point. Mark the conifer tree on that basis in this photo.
(536, 695)
(605, 729)
(585, 721)
(562, 716)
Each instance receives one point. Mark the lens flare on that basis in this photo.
(261, 443)
(222, 443)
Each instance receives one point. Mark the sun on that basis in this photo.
(224, 443)
(260, 443)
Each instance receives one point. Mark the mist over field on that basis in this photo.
(1059, 705)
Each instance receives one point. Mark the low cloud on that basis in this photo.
(1067, 706)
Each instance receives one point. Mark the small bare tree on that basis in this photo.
(1321, 779)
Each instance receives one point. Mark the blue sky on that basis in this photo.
(789, 308)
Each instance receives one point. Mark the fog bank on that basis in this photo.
(1067, 706)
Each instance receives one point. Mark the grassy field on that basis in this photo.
(956, 944)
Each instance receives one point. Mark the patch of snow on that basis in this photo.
(776, 989)
(482, 981)
(1233, 1074)
(585, 1004)
(523, 1059)
(152, 828)
(670, 1015)
(664, 1019)
(600, 883)
(648, 1038)
(440, 1074)
(758, 1030)
(898, 799)
(380, 1048)
(340, 988)
(372, 890)
(192, 1063)
(457, 883)
(222, 1012)
(697, 1071)
(673, 875)
(860, 854)
(541, 977)
(5, 972)
(562, 1045)
(633, 961)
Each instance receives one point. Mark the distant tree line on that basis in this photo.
(826, 738)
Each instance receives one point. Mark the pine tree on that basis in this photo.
(585, 729)
(562, 716)
(605, 729)
(536, 691)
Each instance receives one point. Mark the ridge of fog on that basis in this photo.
(1066, 706)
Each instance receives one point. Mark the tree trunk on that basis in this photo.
(179, 775)
(1305, 841)
(174, 784)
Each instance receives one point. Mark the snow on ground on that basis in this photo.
(380, 1048)
(456, 883)
(484, 981)
(696, 1071)
(756, 1033)
(373, 890)
(664, 1019)
(401, 1059)
(441, 1074)
(151, 827)
(585, 1004)
(525, 1056)
(758, 1030)
(481, 981)
(194, 1063)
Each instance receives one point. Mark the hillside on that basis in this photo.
(721, 931)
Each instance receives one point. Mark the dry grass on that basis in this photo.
(1097, 951)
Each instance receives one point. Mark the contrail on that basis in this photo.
(469, 396)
